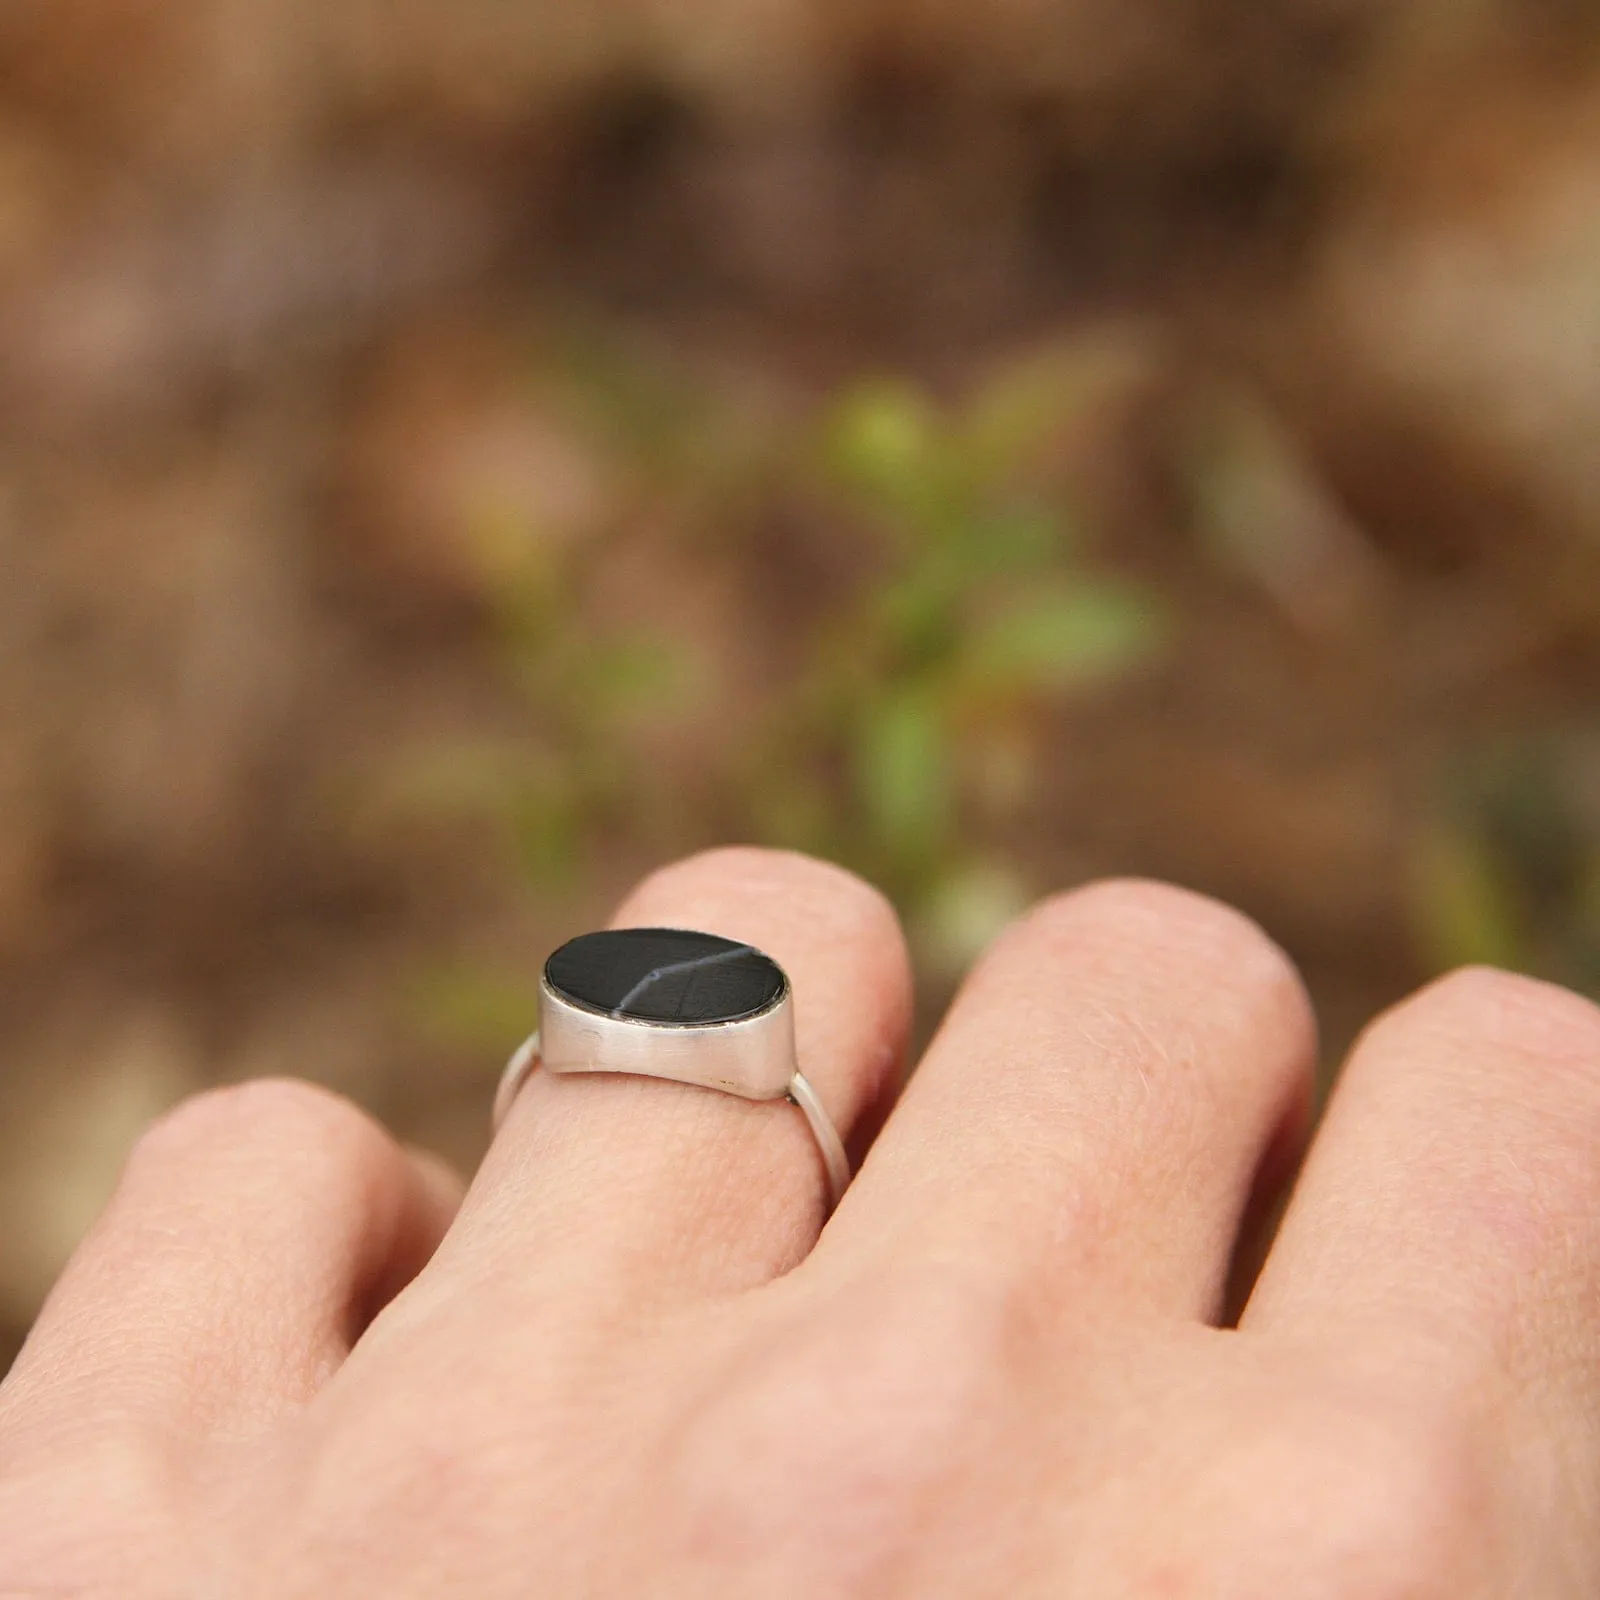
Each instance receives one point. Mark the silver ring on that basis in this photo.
(670, 1003)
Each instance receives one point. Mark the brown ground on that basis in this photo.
(278, 304)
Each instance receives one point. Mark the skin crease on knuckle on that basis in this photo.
(821, 1459)
(869, 1455)
(1403, 1507)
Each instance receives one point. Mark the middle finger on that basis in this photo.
(1120, 1073)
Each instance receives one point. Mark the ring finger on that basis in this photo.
(641, 1189)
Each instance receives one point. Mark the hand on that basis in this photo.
(636, 1362)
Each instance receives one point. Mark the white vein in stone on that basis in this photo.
(656, 975)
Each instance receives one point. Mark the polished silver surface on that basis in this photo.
(753, 1058)
(518, 1070)
(823, 1131)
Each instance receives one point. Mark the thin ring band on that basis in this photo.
(827, 1136)
(831, 1147)
(518, 1070)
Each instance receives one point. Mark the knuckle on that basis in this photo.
(1508, 1010)
(1406, 1503)
(1526, 1050)
(415, 1469)
(1168, 939)
(103, 1522)
(875, 1409)
(1412, 1503)
(735, 874)
(272, 1117)
(1497, 1078)
(1147, 913)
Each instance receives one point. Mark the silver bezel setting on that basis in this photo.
(753, 1057)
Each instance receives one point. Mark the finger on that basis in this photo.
(1092, 1117)
(255, 1232)
(642, 1187)
(1450, 1206)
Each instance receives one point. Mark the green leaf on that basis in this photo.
(648, 408)
(1021, 405)
(1021, 537)
(966, 908)
(476, 1007)
(457, 780)
(1035, 399)
(627, 675)
(918, 617)
(547, 826)
(791, 810)
(920, 614)
(1464, 905)
(883, 439)
(903, 773)
(1090, 633)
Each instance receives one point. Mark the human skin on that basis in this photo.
(639, 1361)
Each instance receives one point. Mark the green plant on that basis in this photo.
(916, 723)
(1507, 866)
(923, 698)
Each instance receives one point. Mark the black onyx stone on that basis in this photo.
(667, 975)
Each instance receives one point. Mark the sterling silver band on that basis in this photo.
(753, 1058)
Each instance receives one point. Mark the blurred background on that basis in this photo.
(456, 454)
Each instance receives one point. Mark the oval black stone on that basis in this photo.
(665, 975)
